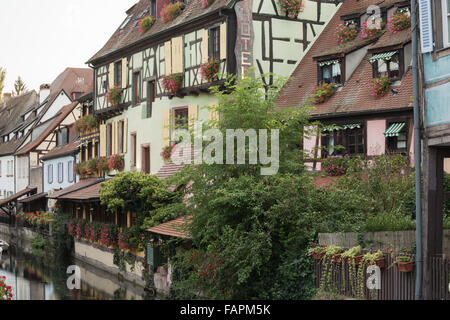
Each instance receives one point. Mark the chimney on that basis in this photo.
(6, 97)
(44, 92)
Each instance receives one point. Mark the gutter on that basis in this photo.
(417, 151)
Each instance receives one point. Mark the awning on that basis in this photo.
(394, 129)
(382, 56)
(328, 63)
(34, 197)
(344, 127)
(175, 228)
(20, 194)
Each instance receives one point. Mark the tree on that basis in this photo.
(19, 87)
(2, 81)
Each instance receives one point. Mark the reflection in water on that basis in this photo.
(34, 280)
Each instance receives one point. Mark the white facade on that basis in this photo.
(22, 174)
(60, 101)
(6, 176)
(58, 173)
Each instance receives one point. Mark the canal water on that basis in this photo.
(34, 279)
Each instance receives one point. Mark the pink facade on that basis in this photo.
(309, 144)
(376, 141)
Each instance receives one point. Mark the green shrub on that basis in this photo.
(389, 222)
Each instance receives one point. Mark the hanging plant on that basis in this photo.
(379, 86)
(210, 69)
(323, 92)
(114, 96)
(370, 31)
(291, 8)
(404, 263)
(172, 83)
(116, 162)
(376, 258)
(345, 33)
(171, 11)
(206, 3)
(146, 23)
(399, 21)
(317, 252)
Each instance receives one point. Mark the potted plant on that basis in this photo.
(146, 23)
(399, 21)
(323, 92)
(116, 162)
(333, 253)
(172, 83)
(353, 255)
(371, 31)
(210, 69)
(376, 258)
(345, 33)
(92, 165)
(206, 3)
(379, 86)
(317, 252)
(114, 96)
(404, 263)
(171, 11)
(166, 153)
(291, 8)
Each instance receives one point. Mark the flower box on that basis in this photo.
(380, 86)
(114, 96)
(291, 8)
(318, 256)
(172, 83)
(146, 23)
(345, 33)
(370, 31)
(206, 3)
(210, 69)
(171, 11)
(356, 260)
(337, 258)
(399, 21)
(323, 92)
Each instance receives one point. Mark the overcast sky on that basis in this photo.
(40, 38)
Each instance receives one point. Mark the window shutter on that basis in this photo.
(165, 128)
(205, 46)
(124, 73)
(103, 140)
(192, 115)
(125, 136)
(111, 75)
(223, 41)
(426, 26)
(177, 55)
(114, 137)
(168, 57)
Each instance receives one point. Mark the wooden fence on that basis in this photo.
(394, 285)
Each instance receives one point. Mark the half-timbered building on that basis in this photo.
(239, 34)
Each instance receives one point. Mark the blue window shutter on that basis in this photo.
(426, 26)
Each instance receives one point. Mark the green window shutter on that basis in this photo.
(154, 256)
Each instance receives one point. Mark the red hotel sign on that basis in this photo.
(245, 36)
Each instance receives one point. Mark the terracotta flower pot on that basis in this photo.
(337, 258)
(405, 266)
(318, 256)
(356, 259)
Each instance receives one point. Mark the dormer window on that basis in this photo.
(386, 64)
(330, 71)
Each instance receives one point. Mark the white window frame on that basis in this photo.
(445, 17)
(70, 174)
(50, 174)
(60, 172)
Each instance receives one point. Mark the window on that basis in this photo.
(151, 94)
(50, 173)
(62, 137)
(10, 169)
(153, 7)
(118, 74)
(214, 43)
(446, 22)
(397, 137)
(96, 146)
(109, 139)
(83, 154)
(351, 138)
(120, 129)
(330, 71)
(70, 171)
(386, 64)
(60, 172)
(181, 118)
(136, 88)
(133, 149)
(89, 151)
(145, 159)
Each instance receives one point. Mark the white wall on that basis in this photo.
(22, 174)
(55, 183)
(6, 183)
(61, 101)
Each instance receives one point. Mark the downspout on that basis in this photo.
(417, 151)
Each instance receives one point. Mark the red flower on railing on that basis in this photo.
(399, 21)
(210, 69)
(172, 83)
(116, 162)
(291, 8)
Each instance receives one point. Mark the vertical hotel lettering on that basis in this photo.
(245, 36)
